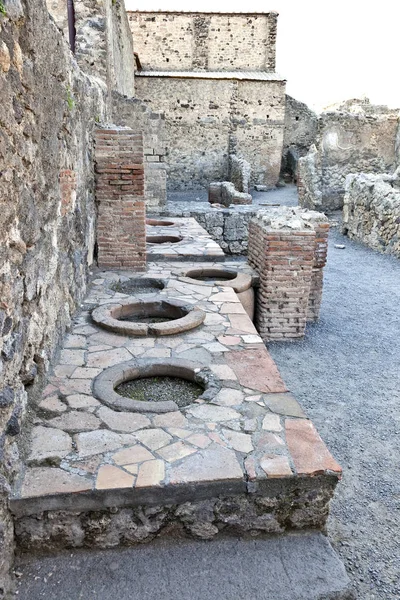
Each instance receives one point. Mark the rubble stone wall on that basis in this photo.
(371, 212)
(121, 226)
(240, 172)
(202, 115)
(301, 127)
(184, 41)
(48, 112)
(104, 45)
(354, 137)
(133, 113)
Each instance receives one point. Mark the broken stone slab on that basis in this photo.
(48, 446)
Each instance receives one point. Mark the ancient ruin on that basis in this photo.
(103, 283)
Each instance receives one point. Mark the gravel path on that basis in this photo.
(346, 374)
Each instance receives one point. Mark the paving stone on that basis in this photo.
(157, 353)
(180, 433)
(250, 468)
(309, 453)
(209, 412)
(215, 347)
(123, 421)
(82, 401)
(102, 440)
(256, 370)
(48, 445)
(239, 441)
(250, 425)
(227, 296)
(256, 398)
(111, 477)
(75, 422)
(132, 469)
(108, 358)
(228, 397)
(175, 451)
(72, 357)
(82, 386)
(199, 439)
(64, 370)
(284, 404)
(229, 340)
(252, 339)
(53, 404)
(99, 348)
(212, 464)
(75, 341)
(86, 373)
(272, 423)
(135, 454)
(85, 329)
(151, 473)
(269, 440)
(199, 355)
(241, 324)
(213, 319)
(110, 339)
(232, 308)
(171, 419)
(275, 466)
(153, 438)
(223, 372)
(43, 481)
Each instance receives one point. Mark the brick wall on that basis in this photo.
(289, 254)
(121, 225)
(320, 256)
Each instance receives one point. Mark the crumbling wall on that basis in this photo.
(371, 211)
(202, 115)
(301, 128)
(353, 137)
(48, 109)
(103, 45)
(240, 172)
(225, 193)
(184, 41)
(134, 113)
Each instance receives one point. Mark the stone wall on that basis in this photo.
(371, 212)
(240, 172)
(133, 113)
(104, 45)
(203, 114)
(225, 193)
(121, 226)
(301, 127)
(48, 110)
(184, 41)
(353, 137)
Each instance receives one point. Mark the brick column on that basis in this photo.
(121, 224)
(288, 254)
(320, 256)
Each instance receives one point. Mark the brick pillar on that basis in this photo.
(121, 224)
(320, 256)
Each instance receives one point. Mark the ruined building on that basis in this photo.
(95, 295)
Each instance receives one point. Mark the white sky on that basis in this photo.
(327, 50)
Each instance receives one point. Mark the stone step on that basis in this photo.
(289, 567)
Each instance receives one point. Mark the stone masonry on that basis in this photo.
(121, 227)
(204, 41)
(213, 77)
(287, 247)
(353, 137)
(371, 212)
